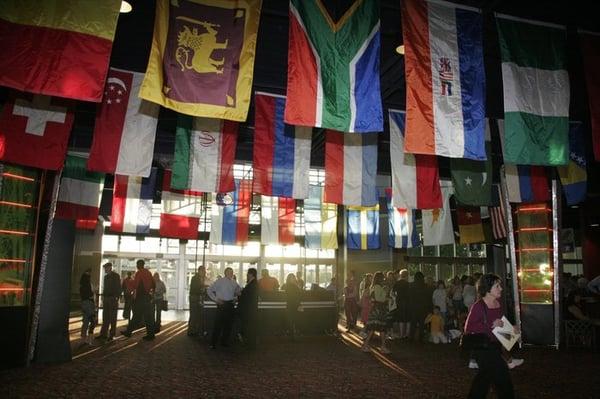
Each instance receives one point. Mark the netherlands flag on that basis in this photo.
(230, 222)
(402, 225)
(363, 227)
(281, 151)
(415, 177)
(445, 79)
(132, 203)
(277, 220)
(351, 168)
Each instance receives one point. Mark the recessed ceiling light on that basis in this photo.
(125, 7)
(574, 206)
(400, 49)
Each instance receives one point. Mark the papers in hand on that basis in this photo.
(506, 334)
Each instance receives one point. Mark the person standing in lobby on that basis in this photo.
(110, 302)
(142, 301)
(197, 292)
(160, 291)
(248, 309)
(127, 287)
(88, 307)
(223, 292)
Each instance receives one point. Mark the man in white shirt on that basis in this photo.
(223, 292)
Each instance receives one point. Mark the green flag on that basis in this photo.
(536, 92)
(472, 180)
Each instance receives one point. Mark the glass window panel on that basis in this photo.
(325, 275)
(462, 251)
(430, 250)
(415, 251)
(447, 251)
(428, 270)
(413, 268)
(110, 243)
(310, 275)
(445, 272)
(461, 269)
(275, 271)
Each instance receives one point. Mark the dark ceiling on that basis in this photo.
(134, 35)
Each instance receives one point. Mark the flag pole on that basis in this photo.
(205, 205)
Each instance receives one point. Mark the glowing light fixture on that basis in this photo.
(400, 49)
(125, 7)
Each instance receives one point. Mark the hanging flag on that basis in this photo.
(415, 177)
(80, 191)
(536, 91)
(573, 177)
(437, 223)
(125, 130)
(402, 230)
(363, 227)
(181, 210)
(281, 151)
(472, 180)
(526, 183)
(590, 49)
(277, 220)
(132, 203)
(229, 223)
(445, 79)
(470, 228)
(83, 224)
(351, 168)
(202, 57)
(333, 67)
(498, 213)
(57, 48)
(34, 130)
(320, 221)
(204, 154)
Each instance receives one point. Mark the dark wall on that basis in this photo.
(52, 343)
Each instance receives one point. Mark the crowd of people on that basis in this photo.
(144, 301)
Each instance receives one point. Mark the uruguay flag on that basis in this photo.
(402, 225)
(573, 177)
(132, 203)
(277, 220)
(281, 151)
(445, 79)
(363, 227)
(351, 168)
(230, 222)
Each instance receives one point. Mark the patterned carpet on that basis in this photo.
(175, 365)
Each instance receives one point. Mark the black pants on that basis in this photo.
(492, 370)
(142, 310)
(127, 306)
(110, 306)
(195, 323)
(249, 326)
(223, 323)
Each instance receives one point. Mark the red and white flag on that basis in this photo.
(181, 211)
(34, 131)
(125, 128)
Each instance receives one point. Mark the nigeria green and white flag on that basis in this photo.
(536, 91)
(472, 180)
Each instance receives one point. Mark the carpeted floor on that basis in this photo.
(175, 365)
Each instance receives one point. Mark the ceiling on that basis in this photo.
(134, 35)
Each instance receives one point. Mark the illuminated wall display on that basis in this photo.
(534, 250)
(18, 195)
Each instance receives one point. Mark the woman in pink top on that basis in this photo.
(484, 315)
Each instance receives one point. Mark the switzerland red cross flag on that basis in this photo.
(34, 131)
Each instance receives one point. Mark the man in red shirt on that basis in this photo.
(142, 301)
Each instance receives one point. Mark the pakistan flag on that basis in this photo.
(472, 180)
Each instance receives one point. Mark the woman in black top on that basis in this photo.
(292, 300)
(88, 307)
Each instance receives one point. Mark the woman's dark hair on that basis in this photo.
(486, 282)
(378, 278)
(441, 282)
